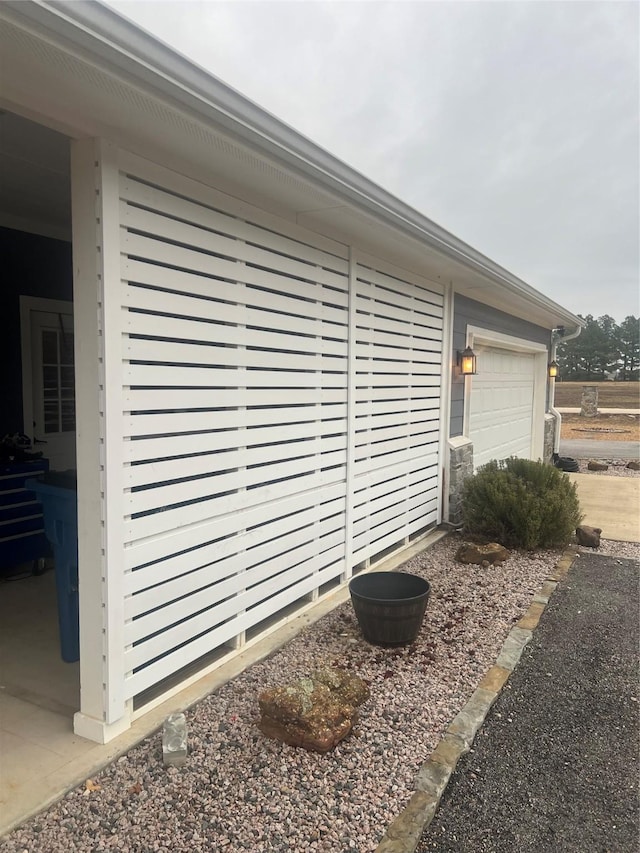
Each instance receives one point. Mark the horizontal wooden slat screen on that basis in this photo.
(244, 404)
(397, 402)
(235, 404)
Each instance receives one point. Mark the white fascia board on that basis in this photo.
(98, 31)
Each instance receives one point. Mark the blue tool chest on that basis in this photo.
(22, 535)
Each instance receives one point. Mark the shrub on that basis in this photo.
(521, 504)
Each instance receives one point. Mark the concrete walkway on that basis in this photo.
(610, 503)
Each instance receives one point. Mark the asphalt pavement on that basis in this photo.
(554, 767)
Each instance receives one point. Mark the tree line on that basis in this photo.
(603, 350)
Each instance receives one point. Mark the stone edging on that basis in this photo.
(404, 833)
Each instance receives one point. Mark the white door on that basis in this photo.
(501, 405)
(53, 391)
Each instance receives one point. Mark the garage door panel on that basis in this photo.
(501, 404)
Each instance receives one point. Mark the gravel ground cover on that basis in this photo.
(555, 765)
(617, 468)
(240, 791)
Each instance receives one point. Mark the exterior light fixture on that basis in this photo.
(553, 369)
(467, 362)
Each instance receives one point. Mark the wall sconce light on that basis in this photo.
(467, 362)
(553, 369)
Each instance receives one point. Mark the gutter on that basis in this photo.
(99, 32)
(552, 410)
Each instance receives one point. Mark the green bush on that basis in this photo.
(521, 504)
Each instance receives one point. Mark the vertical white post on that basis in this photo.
(240, 639)
(351, 416)
(317, 443)
(98, 328)
(86, 300)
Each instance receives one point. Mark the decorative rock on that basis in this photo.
(597, 466)
(481, 554)
(345, 687)
(634, 465)
(588, 536)
(315, 713)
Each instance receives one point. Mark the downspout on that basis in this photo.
(557, 336)
(445, 405)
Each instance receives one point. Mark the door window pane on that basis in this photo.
(49, 347)
(58, 381)
(66, 348)
(51, 416)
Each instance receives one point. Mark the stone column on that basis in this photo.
(460, 468)
(589, 407)
(550, 426)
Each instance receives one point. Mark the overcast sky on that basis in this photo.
(515, 125)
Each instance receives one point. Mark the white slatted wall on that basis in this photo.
(397, 393)
(237, 418)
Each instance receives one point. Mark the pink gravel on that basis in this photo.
(240, 791)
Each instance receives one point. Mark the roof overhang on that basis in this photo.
(83, 69)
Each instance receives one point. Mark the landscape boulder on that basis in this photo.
(588, 536)
(315, 713)
(634, 465)
(482, 554)
(597, 466)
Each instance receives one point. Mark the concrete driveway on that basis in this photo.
(611, 503)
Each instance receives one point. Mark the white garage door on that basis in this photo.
(501, 405)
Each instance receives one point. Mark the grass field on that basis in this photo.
(611, 395)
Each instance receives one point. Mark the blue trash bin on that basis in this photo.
(57, 492)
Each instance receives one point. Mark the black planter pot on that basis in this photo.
(389, 606)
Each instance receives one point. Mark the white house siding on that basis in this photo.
(280, 406)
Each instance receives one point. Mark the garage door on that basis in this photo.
(501, 405)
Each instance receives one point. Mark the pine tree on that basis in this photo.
(629, 347)
(602, 347)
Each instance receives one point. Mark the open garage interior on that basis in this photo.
(37, 425)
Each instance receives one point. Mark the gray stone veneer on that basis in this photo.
(460, 467)
(550, 425)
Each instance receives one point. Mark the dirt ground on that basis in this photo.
(602, 427)
(611, 395)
